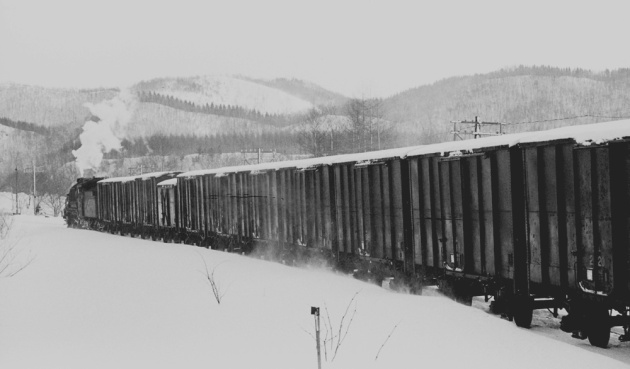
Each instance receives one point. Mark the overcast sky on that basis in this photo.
(353, 47)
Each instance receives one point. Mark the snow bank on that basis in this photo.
(94, 300)
(25, 204)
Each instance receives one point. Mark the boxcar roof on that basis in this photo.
(583, 134)
(144, 176)
(116, 179)
(153, 175)
(303, 163)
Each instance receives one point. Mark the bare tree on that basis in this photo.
(5, 226)
(55, 202)
(311, 134)
(218, 291)
(335, 334)
(54, 183)
(368, 130)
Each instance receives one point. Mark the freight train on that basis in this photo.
(537, 220)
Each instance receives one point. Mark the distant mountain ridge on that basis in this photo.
(510, 95)
(51, 107)
(524, 98)
(48, 107)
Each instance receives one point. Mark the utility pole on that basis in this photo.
(332, 140)
(140, 169)
(258, 151)
(477, 129)
(17, 209)
(34, 187)
(315, 313)
(35, 170)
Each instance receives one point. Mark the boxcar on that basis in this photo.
(129, 204)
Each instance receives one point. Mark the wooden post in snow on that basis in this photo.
(315, 313)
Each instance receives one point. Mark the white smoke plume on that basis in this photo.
(104, 136)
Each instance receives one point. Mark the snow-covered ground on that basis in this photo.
(95, 300)
(25, 204)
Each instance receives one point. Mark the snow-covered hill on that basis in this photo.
(226, 90)
(48, 107)
(6, 131)
(95, 300)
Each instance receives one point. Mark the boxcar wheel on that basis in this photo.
(523, 309)
(598, 328)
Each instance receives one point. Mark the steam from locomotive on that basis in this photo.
(105, 135)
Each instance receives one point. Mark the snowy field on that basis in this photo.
(25, 204)
(95, 300)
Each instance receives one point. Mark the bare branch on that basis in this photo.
(386, 339)
(217, 290)
(340, 336)
(332, 342)
(309, 333)
(21, 268)
(329, 330)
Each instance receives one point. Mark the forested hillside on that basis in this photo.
(49, 107)
(283, 142)
(24, 126)
(525, 98)
(221, 110)
(151, 119)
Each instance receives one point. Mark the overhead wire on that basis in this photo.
(567, 118)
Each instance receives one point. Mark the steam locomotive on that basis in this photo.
(537, 220)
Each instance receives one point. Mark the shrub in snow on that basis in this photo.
(217, 290)
(8, 255)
